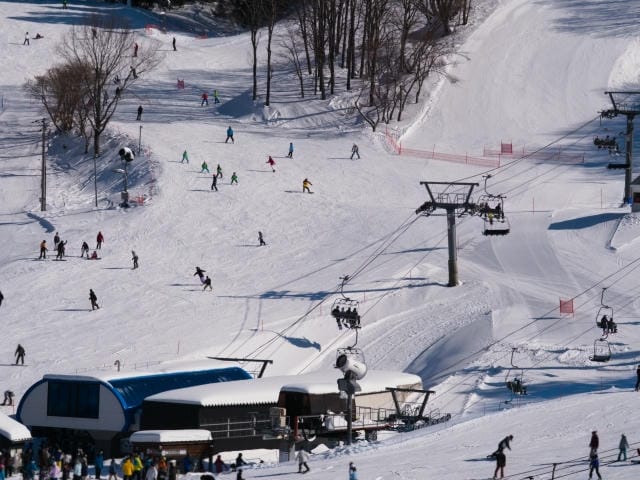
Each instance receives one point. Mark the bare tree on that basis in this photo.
(291, 47)
(105, 45)
(465, 10)
(442, 10)
(271, 22)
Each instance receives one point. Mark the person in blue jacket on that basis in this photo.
(594, 464)
(99, 463)
(229, 135)
(290, 154)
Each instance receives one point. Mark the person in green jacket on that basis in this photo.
(185, 157)
(219, 171)
(234, 178)
(205, 167)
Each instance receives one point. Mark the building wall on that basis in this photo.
(33, 412)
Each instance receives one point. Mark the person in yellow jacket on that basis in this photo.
(305, 186)
(127, 469)
(137, 467)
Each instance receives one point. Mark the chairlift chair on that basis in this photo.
(495, 227)
(605, 312)
(601, 351)
(516, 385)
(345, 311)
(491, 208)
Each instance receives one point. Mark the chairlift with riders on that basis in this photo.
(516, 384)
(491, 208)
(345, 310)
(604, 317)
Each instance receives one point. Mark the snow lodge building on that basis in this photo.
(104, 409)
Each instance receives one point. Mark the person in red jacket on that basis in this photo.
(219, 464)
(205, 99)
(271, 163)
(99, 241)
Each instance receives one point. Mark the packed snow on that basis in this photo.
(528, 73)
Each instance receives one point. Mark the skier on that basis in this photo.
(303, 458)
(272, 164)
(594, 443)
(200, 274)
(214, 182)
(638, 379)
(140, 109)
(240, 461)
(43, 249)
(135, 50)
(185, 157)
(60, 254)
(229, 135)
(594, 464)
(355, 151)
(215, 97)
(99, 241)
(26, 39)
(501, 462)
(623, 445)
(219, 171)
(353, 473)
(207, 283)
(56, 240)
(305, 185)
(174, 44)
(94, 300)
(8, 398)
(260, 239)
(84, 249)
(234, 178)
(504, 443)
(134, 257)
(290, 154)
(205, 99)
(204, 167)
(94, 256)
(19, 354)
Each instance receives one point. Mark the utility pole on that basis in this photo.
(627, 104)
(140, 141)
(43, 169)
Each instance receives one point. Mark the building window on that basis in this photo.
(73, 399)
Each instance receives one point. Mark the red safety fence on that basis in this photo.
(566, 306)
(450, 157)
(546, 155)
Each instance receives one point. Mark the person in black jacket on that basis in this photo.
(594, 443)
(504, 443)
(94, 300)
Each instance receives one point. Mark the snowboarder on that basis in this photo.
(353, 472)
(204, 167)
(200, 273)
(594, 464)
(355, 151)
(207, 283)
(84, 249)
(215, 97)
(60, 254)
(623, 445)
(134, 258)
(8, 398)
(99, 241)
(234, 178)
(504, 443)
(173, 42)
(214, 182)
(219, 171)
(303, 458)
(260, 239)
(43, 249)
(205, 99)
(56, 240)
(19, 354)
(501, 462)
(272, 164)
(305, 185)
(290, 154)
(94, 300)
(638, 378)
(185, 157)
(594, 443)
(26, 39)
(140, 110)
(229, 135)
(135, 50)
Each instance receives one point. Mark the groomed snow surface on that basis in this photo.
(530, 73)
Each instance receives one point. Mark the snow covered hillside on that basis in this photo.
(531, 73)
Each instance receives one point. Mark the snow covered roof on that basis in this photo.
(170, 436)
(266, 390)
(172, 367)
(13, 430)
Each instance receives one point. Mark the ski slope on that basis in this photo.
(532, 73)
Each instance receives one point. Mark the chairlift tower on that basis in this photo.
(627, 104)
(454, 204)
